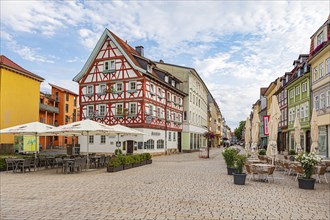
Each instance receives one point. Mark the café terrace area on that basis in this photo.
(180, 186)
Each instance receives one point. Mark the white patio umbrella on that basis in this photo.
(274, 118)
(314, 133)
(85, 128)
(33, 128)
(247, 135)
(255, 130)
(297, 130)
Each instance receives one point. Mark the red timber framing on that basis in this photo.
(115, 89)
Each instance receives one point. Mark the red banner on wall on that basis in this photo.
(266, 122)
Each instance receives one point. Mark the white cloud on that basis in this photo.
(236, 46)
(25, 52)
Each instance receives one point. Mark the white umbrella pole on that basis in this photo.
(87, 150)
(35, 153)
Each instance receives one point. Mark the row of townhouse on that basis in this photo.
(305, 87)
(168, 103)
(22, 102)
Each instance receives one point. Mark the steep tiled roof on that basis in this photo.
(6, 62)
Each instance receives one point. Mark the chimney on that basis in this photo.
(140, 50)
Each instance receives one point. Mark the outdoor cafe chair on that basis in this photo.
(270, 173)
(58, 163)
(25, 164)
(251, 171)
(10, 164)
(321, 171)
(298, 170)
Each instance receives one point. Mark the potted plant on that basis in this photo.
(136, 160)
(229, 155)
(292, 154)
(239, 176)
(148, 157)
(143, 159)
(114, 165)
(308, 162)
(262, 154)
(126, 161)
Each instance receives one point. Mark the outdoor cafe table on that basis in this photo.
(261, 168)
(255, 161)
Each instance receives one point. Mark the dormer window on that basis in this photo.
(166, 79)
(149, 68)
(320, 38)
(173, 83)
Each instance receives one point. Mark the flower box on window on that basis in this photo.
(108, 71)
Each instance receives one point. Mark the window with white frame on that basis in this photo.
(102, 88)
(291, 93)
(316, 102)
(179, 117)
(298, 111)
(180, 101)
(174, 116)
(319, 38)
(102, 110)
(119, 108)
(103, 139)
(169, 97)
(315, 74)
(119, 87)
(304, 87)
(152, 88)
(91, 139)
(90, 111)
(306, 110)
(166, 79)
(321, 70)
(150, 144)
(160, 94)
(169, 136)
(160, 144)
(328, 98)
(90, 90)
(132, 86)
(293, 114)
(149, 68)
(298, 90)
(168, 115)
(132, 108)
(174, 99)
(327, 65)
(159, 115)
(109, 65)
(173, 83)
(322, 101)
(152, 110)
(290, 115)
(302, 111)
(174, 136)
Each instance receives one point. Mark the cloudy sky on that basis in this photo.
(236, 46)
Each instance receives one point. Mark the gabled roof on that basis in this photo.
(63, 89)
(131, 55)
(123, 47)
(8, 63)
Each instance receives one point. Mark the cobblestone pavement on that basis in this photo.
(173, 187)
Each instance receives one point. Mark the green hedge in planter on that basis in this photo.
(262, 152)
(229, 155)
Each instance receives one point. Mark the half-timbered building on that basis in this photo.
(118, 85)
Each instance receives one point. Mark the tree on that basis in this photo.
(238, 131)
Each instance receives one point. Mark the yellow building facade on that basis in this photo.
(319, 60)
(19, 97)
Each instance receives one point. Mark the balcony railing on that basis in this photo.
(48, 108)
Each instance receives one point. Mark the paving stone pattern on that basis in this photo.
(179, 186)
